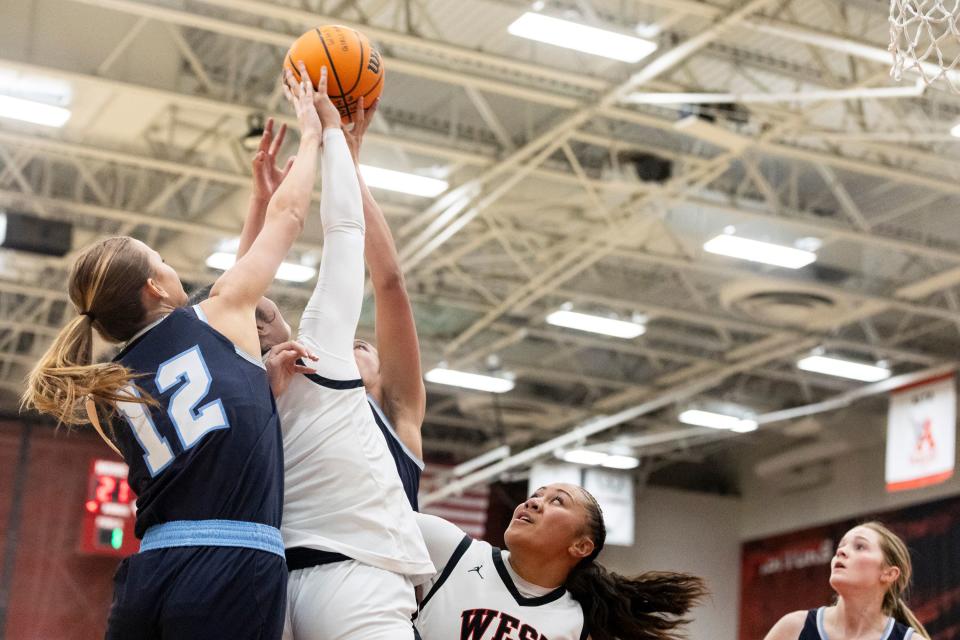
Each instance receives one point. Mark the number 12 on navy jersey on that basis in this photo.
(190, 374)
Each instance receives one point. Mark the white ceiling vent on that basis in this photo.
(796, 305)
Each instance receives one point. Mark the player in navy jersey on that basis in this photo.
(548, 585)
(192, 414)
(870, 572)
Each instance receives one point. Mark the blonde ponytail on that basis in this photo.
(902, 613)
(104, 285)
(896, 554)
(65, 376)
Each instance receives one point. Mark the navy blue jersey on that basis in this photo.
(212, 448)
(409, 466)
(813, 628)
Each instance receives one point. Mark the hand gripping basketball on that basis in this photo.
(361, 120)
(329, 115)
(301, 96)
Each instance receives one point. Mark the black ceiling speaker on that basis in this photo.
(729, 111)
(23, 232)
(251, 139)
(649, 167)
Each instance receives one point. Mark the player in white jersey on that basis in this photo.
(353, 547)
(548, 586)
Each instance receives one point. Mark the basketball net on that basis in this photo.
(925, 37)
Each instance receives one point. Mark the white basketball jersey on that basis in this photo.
(476, 597)
(342, 492)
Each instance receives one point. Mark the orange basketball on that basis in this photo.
(354, 68)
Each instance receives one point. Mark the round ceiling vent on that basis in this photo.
(796, 305)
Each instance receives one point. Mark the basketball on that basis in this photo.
(354, 67)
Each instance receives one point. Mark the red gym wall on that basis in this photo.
(55, 592)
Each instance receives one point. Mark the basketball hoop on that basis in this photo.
(925, 37)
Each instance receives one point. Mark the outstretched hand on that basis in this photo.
(303, 98)
(266, 175)
(326, 110)
(361, 120)
(283, 362)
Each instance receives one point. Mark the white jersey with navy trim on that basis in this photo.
(409, 466)
(478, 596)
(342, 491)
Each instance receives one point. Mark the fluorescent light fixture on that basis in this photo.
(757, 251)
(580, 37)
(402, 182)
(955, 131)
(584, 456)
(620, 462)
(288, 271)
(595, 324)
(466, 380)
(33, 112)
(700, 418)
(844, 368)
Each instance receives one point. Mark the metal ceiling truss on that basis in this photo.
(474, 250)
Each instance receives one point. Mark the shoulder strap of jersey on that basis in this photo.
(447, 570)
(901, 631)
(810, 629)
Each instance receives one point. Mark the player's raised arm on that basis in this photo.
(442, 538)
(329, 320)
(267, 176)
(236, 293)
(401, 391)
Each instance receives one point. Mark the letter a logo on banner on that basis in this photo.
(921, 434)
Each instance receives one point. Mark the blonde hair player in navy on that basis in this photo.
(353, 548)
(870, 572)
(192, 416)
(548, 584)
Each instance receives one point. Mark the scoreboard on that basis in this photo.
(109, 511)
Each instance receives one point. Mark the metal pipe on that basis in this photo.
(601, 424)
(825, 40)
(763, 98)
(845, 399)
